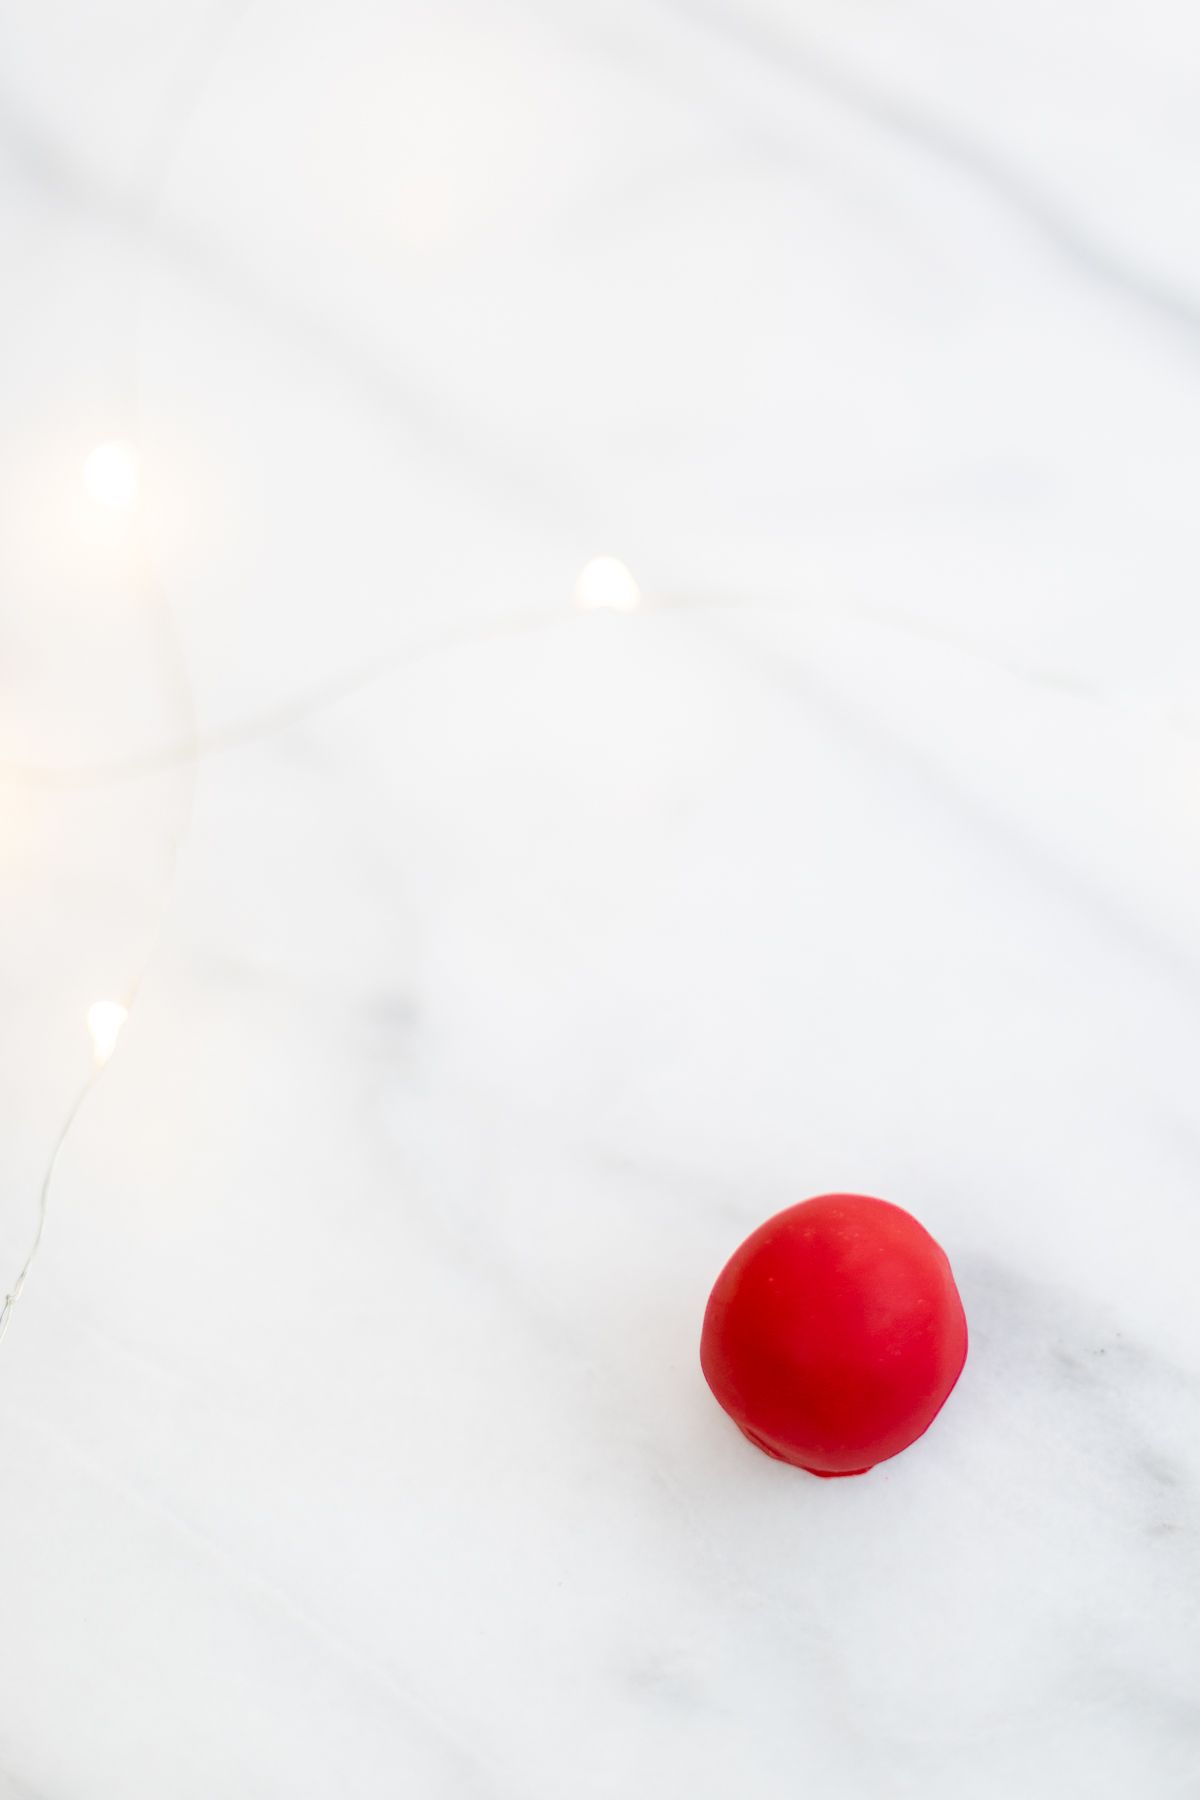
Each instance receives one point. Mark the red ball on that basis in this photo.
(834, 1334)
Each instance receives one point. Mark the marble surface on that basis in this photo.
(500, 964)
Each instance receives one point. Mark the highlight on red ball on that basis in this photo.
(834, 1334)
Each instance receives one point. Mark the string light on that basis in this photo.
(111, 475)
(606, 583)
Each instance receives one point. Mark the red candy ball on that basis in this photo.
(834, 1334)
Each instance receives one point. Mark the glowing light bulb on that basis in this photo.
(606, 582)
(105, 1019)
(111, 475)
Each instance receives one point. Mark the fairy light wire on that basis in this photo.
(18, 1286)
(107, 1018)
(197, 745)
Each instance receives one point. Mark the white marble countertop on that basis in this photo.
(501, 964)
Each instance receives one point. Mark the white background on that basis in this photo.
(354, 1438)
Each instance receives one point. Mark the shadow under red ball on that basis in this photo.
(834, 1334)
